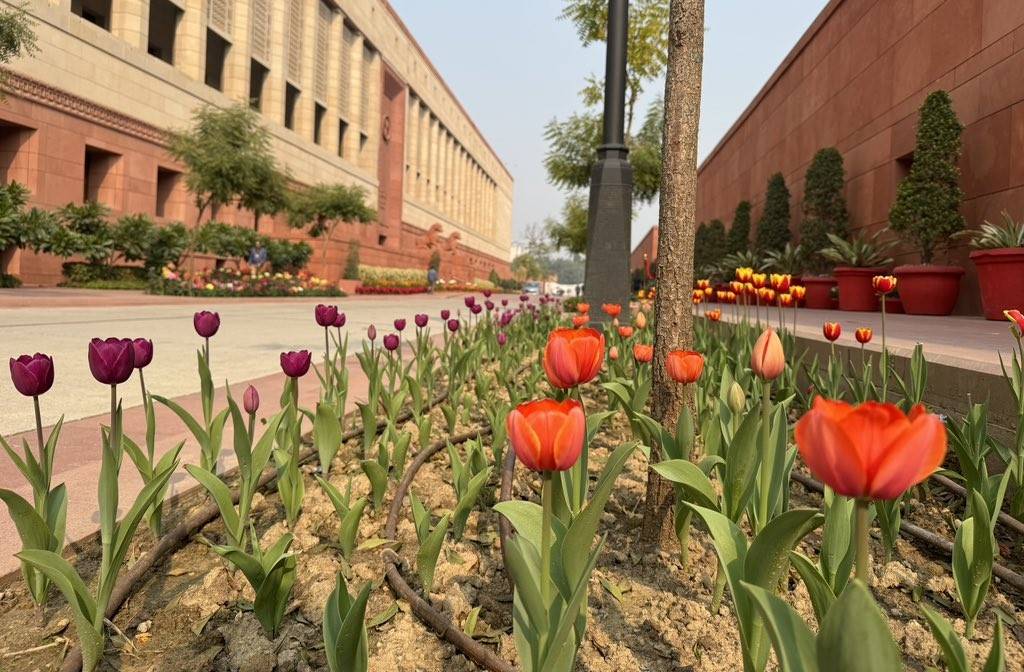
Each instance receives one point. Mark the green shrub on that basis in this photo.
(927, 207)
(284, 255)
(773, 227)
(352, 262)
(99, 276)
(382, 276)
(709, 245)
(738, 239)
(824, 207)
(8, 281)
(167, 246)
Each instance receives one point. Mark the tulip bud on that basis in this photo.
(391, 342)
(296, 364)
(476, 308)
(206, 323)
(684, 366)
(421, 320)
(767, 359)
(400, 324)
(502, 338)
(32, 374)
(371, 333)
(251, 400)
(613, 353)
(111, 361)
(487, 293)
(737, 399)
(641, 320)
(470, 301)
(453, 325)
(325, 315)
(143, 352)
(339, 321)
(445, 314)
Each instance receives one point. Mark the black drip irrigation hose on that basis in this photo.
(183, 532)
(1005, 519)
(1008, 575)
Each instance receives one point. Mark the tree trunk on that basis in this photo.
(678, 209)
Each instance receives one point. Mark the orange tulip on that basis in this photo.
(781, 281)
(798, 292)
(744, 273)
(708, 291)
(1017, 318)
(573, 356)
(766, 294)
(697, 296)
(580, 320)
(767, 359)
(731, 297)
(721, 296)
(643, 353)
(547, 435)
(832, 330)
(582, 308)
(714, 315)
(870, 451)
(883, 284)
(736, 286)
(759, 280)
(640, 320)
(611, 309)
(749, 289)
(684, 366)
(786, 300)
(863, 335)
(625, 331)
(703, 284)
(613, 353)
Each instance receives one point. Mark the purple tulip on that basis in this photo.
(206, 323)
(325, 315)
(476, 308)
(470, 301)
(487, 293)
(489, 304)
(453, 325)
(371, 333)
(251, 400)
(400, 324)
(391, 342)
(504, 302)
(32, 374)
(524, 298)
(112, 360)
(502, 338)
(421, 320)
(339, 321)
(445, 314)
(143, 352)
(296, 364)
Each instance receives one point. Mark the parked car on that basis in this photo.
(531, 288)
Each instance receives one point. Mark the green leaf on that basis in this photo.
(525, 517)
(240, 432)
(202, 438)
(792, 640)
(952, 648)
(818, 589)
(349, 640)
(562, 645)
(378, 478)
(855, 636)
(426, 557)
(272, 594)
(326, 435)
(741, 462)
(350, 527)
(695, 483)
(996, 661)
(420, 517)
(222, 496)
(467, 501)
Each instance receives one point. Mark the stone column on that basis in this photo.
(334, 37)
(273, 87)
(238, 62)
(306, 83)
(129, 20)
(190, 43)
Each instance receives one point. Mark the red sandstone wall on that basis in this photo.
(648, 246)
(855, 81)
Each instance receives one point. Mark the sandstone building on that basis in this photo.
(347, 94)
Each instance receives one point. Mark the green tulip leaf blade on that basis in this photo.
(855, 635)
(792, 640)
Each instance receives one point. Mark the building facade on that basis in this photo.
(343, 87)
(855, 81)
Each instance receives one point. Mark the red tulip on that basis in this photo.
(143, 352)
(453, 325)
(445, 314)
(714, 315)
(625, 331)
(32, 374)
(582, 308)
(883, 284)
(643, 353)
(296, 364)
(579, 320)
(111, 361)
(1017, 318)
(832, 330)
(767, 359)
(870, 451)
(547, 435)
(573, 356)
(611, 309)
(863, 335)
(780, 281)
(206, 323)
(684, 366)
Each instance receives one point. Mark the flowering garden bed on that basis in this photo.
(227, 282)
(506, 467)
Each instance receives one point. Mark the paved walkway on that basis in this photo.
(245, 350)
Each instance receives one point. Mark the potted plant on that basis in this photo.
(927, 210)
(789, 260)
(857, 261)
(824, 210)
(999, 257)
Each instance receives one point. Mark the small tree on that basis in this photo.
(927, 207)
(17, 38)
(323, 207)
(570, 232)
(352, 261)
(710, 244)
(19, 227)
(824, 207)
(168, 245)
(739, 232)
(773, 227)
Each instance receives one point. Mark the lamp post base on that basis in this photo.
(608, 231)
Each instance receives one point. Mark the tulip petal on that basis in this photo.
(568, 443)
(829, 454)
(912, 457)
(525, 441)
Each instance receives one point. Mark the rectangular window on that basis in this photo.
(363, 140)
(319, 112)
(342, 133)
(14, 162)
(163, 27)
(294, 41)
(260, 44)
(323, 42)
(93, 11)
(348, 40)
(365, 87)
(291, 101)
(257, 79)
(167, 181)
(216, 53)
(100, 173)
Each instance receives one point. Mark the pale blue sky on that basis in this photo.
(515, 66)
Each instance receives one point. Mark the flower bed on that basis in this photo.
(231, 282)
(363, 289)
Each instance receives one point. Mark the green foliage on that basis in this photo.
(824, 206)
(84, 230)
(773, 227)
(224, 240)
(77, 274)
(570, 232)
(352, 261)
(21, 228)
(989, 236)
(858, 252)
(17, 37)
(927, 207)
(132, 236)
(739, 232)
(382, 276)
(322, 207)
(787, 260)
(284, 255)
(168, 246)
(709, 244)
(344, 628)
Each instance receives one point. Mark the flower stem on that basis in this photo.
(885, 359)
(547, 502)
(767, 455)
(863, 558)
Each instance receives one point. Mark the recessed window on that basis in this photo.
(342, 132)
(93, 11)
(257, 78)
(382, 240)
(167, 181)
(163, 27)
(291, 101)
(216, 53)
(14, 162)
(363, 140)
(319, 112)
(100, 175)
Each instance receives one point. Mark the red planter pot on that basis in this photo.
(927, 289)
(855, 292)
(819, 291)
(1001, 279)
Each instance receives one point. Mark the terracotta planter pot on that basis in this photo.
(927, 289)
(855, 292)
(1001, 280)
(819, 291)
